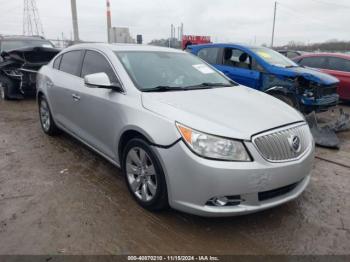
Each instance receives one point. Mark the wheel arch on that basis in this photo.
(39, 95)
(127, 135)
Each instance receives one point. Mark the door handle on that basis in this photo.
(76, 98)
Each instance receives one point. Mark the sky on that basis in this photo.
(243, 21)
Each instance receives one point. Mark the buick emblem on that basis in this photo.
(295, 145)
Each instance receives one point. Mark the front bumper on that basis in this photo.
(329, 100)
(193, 180)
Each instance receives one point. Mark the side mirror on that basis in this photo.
(101, 80)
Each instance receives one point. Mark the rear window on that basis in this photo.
(70, 62)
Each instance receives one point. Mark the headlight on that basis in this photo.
(213, 147)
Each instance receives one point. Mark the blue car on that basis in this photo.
(268, 71)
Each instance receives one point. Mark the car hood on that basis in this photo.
(236, 112)
(308, 73)
(34, 55)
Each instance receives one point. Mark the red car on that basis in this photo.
(337, 65)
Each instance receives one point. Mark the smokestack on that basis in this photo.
(109, 22)
(182, 31)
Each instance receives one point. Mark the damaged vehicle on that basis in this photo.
(269, 71)
(306, 89)
(20, 59)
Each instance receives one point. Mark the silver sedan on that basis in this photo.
(183, 134)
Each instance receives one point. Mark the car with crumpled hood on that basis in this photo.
(20, 59)
(266, 70)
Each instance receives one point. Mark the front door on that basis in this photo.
(239, 66)
(98, 109)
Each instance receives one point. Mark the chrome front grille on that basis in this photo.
(280, 145)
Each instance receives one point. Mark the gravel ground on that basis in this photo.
(58, 197)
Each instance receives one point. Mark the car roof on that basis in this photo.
(124, 47)
(288, 50)
(237, 45)
(345, 56)
(20, 37)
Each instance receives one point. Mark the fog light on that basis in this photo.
(224, 201)
(220, 201)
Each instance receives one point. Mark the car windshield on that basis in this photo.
(274, 58)
(169, 71)
(8, 45)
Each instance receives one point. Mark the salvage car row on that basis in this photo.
(184, 133)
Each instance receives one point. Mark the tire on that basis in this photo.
(5, 85)
(47, 123)
(144, 175)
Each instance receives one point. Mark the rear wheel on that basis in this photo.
(5, 85)
(144, 175)
(46, 120)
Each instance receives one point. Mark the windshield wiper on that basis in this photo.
(207, 86)
(163, 89)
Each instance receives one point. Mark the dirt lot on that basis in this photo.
(58, 197)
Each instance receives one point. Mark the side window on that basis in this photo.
(256, 66)
(94, 63)
(70, 62)
(292, 55)
(57, 62)
(237, 58)
(210, 55)
(316, 62)
(338, 64)
(298, 61)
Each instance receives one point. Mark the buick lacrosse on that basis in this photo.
(183, 134)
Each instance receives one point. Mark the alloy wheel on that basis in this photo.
(45, 115)
(141, 174)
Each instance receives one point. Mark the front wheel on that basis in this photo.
(46, 120)
(144, 175)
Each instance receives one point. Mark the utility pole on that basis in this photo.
(171, 34)
(75, 21)
(273, 26)
(109, 22)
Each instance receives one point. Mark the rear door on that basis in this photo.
(240, 67)
(65, 80)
